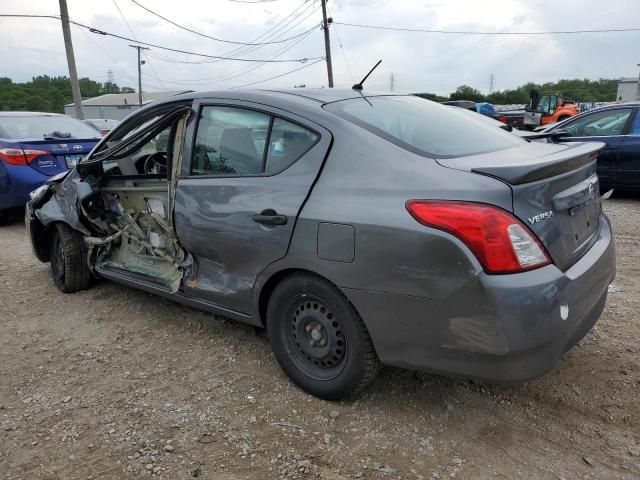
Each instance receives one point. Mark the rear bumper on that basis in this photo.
(16, 182)
(497, 327)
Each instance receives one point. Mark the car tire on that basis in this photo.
(4, 217)
(318, 338)
(69, 260)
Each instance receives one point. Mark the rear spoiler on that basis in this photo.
(518, 172)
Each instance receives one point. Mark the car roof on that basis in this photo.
(31, 114)
(613, 106)
(300, 95)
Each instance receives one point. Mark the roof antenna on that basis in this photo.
(358, 86)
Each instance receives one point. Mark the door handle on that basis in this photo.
(270, 217)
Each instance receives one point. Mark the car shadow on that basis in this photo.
(625, 195)
(13, 216)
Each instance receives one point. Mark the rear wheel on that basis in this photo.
(319, 339)
(69, 260)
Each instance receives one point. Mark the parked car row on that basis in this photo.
(358, 229)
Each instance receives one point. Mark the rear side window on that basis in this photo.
(424, 127)
(288, 142)
(238, 141)
(44, 127)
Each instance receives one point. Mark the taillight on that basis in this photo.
(499, 240)
(19, 156)
(503, 119)
(104, 132)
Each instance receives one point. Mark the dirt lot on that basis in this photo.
(115, 383)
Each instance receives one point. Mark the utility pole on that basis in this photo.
(392, 82)
(327, 41)
(638, 88)
(492, 80)
(68, 46)
(140, 62)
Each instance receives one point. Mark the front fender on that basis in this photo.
(59, 204)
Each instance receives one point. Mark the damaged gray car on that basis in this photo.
(358, 229)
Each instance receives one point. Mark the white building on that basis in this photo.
(627, 89)
(117, 105)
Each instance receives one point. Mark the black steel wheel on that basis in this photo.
(318, 338)
(69, 260)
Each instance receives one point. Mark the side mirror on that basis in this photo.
(558, 135)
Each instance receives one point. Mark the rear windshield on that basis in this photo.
(44, 127)
(424, 127)
(103, 123)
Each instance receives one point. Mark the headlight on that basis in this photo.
(38, 193)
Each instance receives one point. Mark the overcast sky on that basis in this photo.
(420, 62)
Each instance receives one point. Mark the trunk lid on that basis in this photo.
(65, 153)
(555, 192)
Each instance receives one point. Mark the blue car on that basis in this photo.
(618, 126)
(35, 146)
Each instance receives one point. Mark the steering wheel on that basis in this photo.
(155, 163)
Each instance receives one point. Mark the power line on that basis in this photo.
(204, 34)
(104, 52)
(238, 73)
(273, 32)
(287, 25)
(134, 36)
(149, 44)
(281, 75)
(468, 32)
(275, 55)
(344, 55)
(201, 62)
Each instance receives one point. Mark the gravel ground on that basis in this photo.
(116, 383)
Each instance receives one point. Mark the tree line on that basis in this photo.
(50, 94)
(579, 90)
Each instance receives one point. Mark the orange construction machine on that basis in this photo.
(547, 109)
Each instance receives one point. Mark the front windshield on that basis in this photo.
(424, 127)
(16, 127)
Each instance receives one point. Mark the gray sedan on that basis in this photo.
(358, 229)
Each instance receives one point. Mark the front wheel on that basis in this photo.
(319, 339)
(69, 260)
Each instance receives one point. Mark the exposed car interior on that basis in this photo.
(129, 200)
(129, 188)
